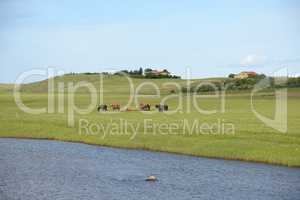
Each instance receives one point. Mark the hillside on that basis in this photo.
(119, 85)
(111, 84)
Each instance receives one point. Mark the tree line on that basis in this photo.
(243, 84)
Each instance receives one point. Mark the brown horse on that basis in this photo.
(115, 107)
(145, 107)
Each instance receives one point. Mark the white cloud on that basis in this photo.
(253, 59)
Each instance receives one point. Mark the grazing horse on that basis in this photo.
(115, 107)
(166, 107)
(145, 107)
(102, 107)
(161, 107)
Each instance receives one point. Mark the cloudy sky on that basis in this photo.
(213, 38)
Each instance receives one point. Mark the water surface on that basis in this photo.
(36, 169)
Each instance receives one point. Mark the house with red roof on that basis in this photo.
(245, 74)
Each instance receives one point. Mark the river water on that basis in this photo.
(51, 170)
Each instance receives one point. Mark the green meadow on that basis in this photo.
(232, 133)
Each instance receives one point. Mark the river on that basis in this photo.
(47, 170)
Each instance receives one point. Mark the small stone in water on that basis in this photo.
(151, 178)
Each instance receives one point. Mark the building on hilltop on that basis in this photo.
(154, 72)
(245, 74)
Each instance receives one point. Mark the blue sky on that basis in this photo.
(213, 38)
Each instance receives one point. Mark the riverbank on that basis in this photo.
(155, 150)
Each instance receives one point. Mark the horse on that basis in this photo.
(115, 107)
(166, 107)
(162, 107)
(102, 107)
(145, 107)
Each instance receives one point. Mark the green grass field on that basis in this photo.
(252, 140)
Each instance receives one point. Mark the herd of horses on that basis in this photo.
(142, 107)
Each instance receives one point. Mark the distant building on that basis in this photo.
(155, 72)
(245, 74)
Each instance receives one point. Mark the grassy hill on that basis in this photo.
(252, 139)
(112, 83)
